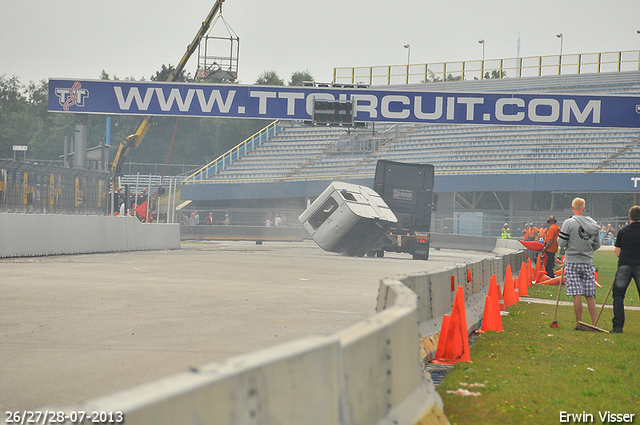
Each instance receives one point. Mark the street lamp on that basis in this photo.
(561, 37)
(482, 64)
(408, 47)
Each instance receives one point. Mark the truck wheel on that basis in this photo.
(371, 253)
(380, 254)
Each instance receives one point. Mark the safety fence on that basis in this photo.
(369, 373)
(33, 188)
(531, 66)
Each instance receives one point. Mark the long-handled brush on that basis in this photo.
(581, 326)
(554, 324)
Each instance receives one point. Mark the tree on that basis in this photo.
(269, 78)
(297, 78)
(495, 74)
(166, 71)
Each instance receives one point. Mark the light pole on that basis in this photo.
(408, 47)
(482, 63)
(561, 37)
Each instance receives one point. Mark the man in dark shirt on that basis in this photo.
(628, 252)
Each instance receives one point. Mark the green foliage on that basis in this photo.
(297, 78)
(164, 73)
(495, 74)
(269, 78)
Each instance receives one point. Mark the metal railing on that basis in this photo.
(532, 66)
(34, 188)
(235, 153)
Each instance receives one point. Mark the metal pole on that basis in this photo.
(137, 181)
(173, 210)
(80, 157)
(169, 198)
(113, 194)
(146, 216)
(65, 162)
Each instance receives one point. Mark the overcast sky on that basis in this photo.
(41, 39)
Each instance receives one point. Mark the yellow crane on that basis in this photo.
(133, 140)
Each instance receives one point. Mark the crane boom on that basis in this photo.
(133, 140)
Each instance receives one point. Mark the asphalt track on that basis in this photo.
(76, 327)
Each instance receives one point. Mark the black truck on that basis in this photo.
(408, 191)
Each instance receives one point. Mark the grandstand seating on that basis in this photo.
(323, 153)
(307, 153)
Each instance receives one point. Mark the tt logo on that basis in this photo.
(635, 181)
(73, 96)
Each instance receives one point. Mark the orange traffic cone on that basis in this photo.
(538, 269)
(554, 281)
(456, 346)
(522, 281)
(495, 297)
(489, 322)
(530, 275)
(500, 299)
(509, 291)
(442, 339)
(542, 277)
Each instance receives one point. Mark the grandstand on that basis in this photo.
(296, 162)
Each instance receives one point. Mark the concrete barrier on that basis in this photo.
(240, 233)
(369, 373)
(28, 235)
(381, 362)
(294, 383)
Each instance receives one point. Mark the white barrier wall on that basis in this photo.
(27, 235)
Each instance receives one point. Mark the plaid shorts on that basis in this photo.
(580, 279)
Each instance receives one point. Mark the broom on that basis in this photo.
(581, 326)
(554, 324)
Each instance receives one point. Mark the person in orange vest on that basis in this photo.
(532, 233)
(542, 233)
(550, 246)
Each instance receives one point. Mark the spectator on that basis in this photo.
(542, 233)
(550, 246)
(226, 219)
(209, 220)
(506, 232)
(603, 234)
(581, 236)
(628, 252)
(532, 233)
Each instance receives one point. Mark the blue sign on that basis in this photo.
(370, 105)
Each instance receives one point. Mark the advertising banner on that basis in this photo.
(369, 105)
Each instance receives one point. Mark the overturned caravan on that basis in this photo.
(347, 219)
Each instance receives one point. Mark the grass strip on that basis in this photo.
(531, 373)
